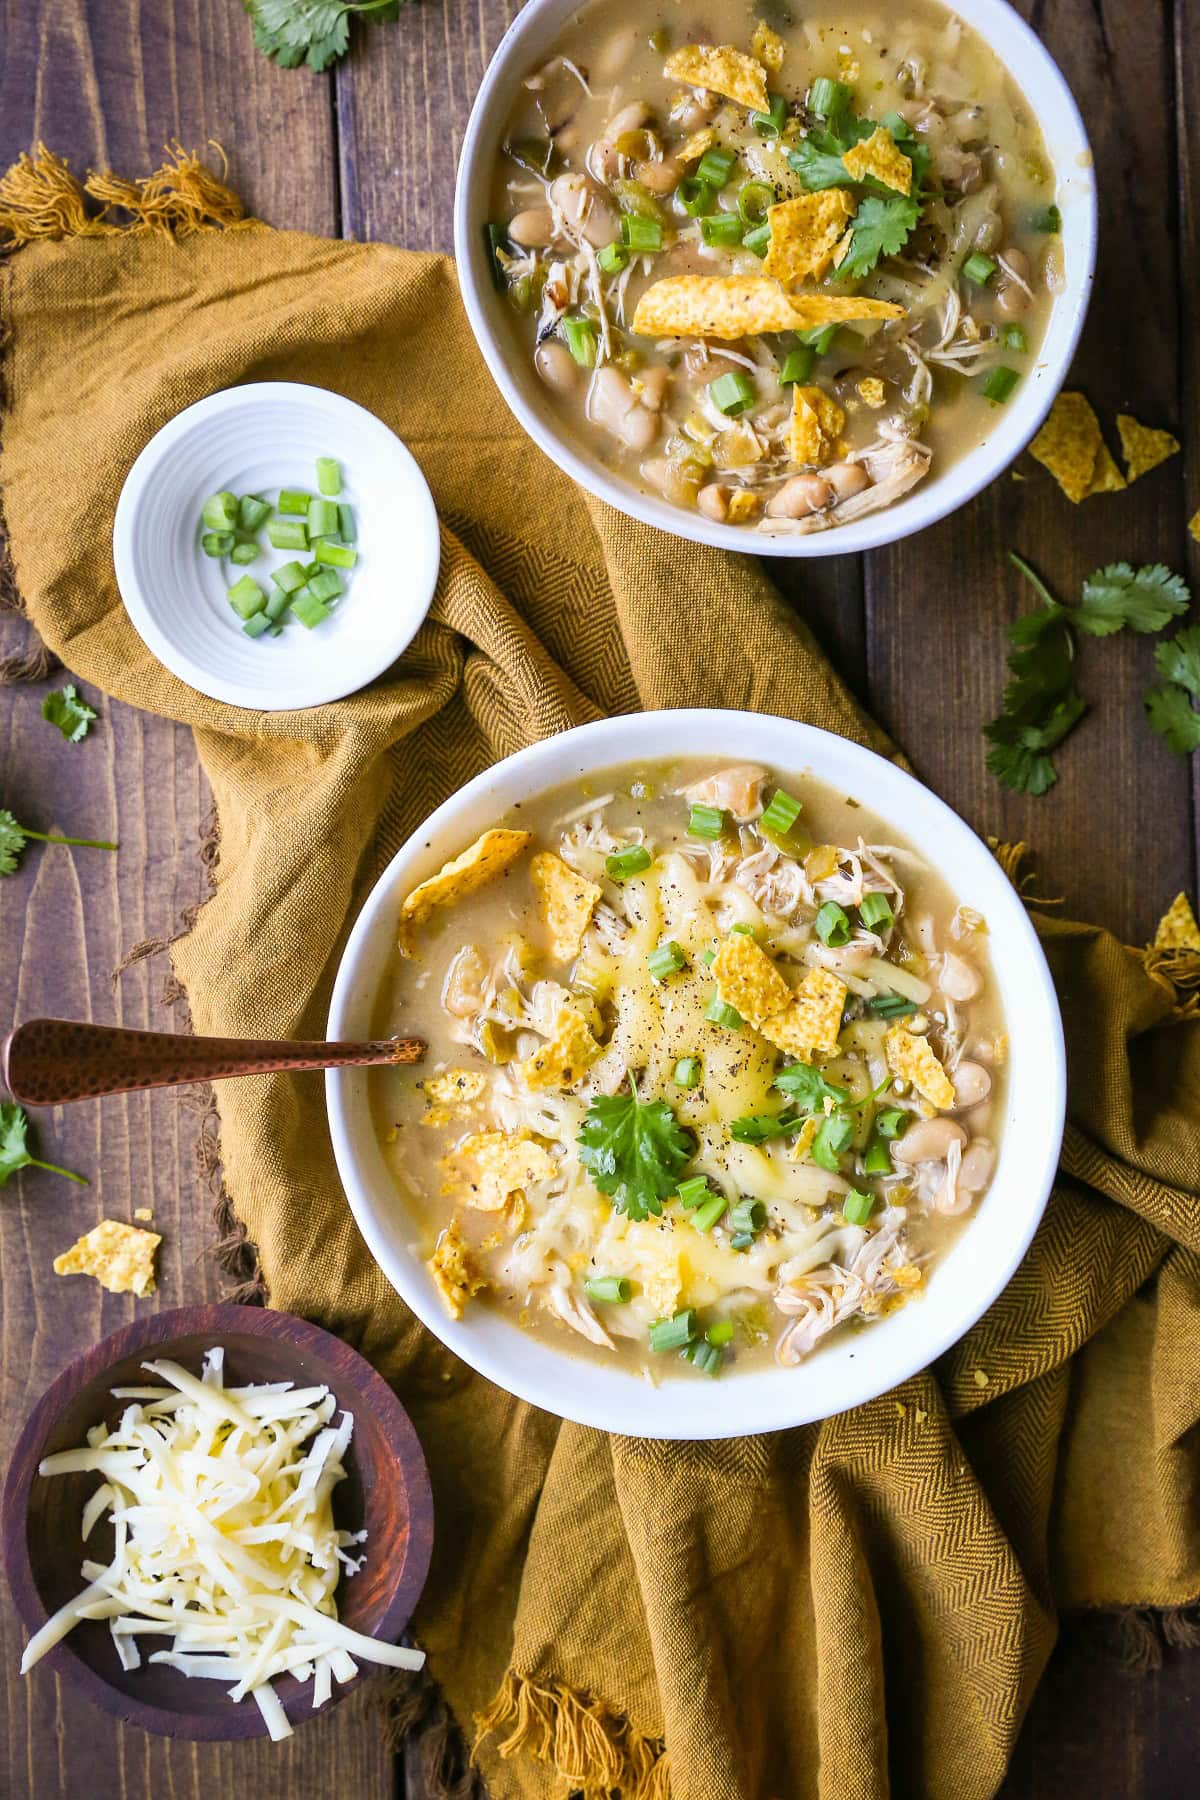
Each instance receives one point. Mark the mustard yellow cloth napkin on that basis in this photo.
(809, 1614)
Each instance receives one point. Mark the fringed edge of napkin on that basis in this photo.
(597, 1751)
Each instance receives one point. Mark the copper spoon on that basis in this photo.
(47, 1061)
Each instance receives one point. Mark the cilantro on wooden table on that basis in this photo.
(1169, 706)
(634, 1150)
(316, 32)
(14, 1148)
(72, 715)
(13, 836)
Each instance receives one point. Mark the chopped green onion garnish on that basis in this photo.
(833, 927)
(998, 384)
(732, 393)
(875, 910)
(742, 930)
(256, 624)
(878, 1160)
(891, 1006)
(580, 335)
(691, 1192)
(329, 476)
(496, 238)
(1048, 218)
(758, 240)
(709, 1212)
(1013, 338)
(797, 365)
(609, 1289)
(629, 861)
(294, 500)
(289, 577)
(979, 268)
(890, 1122)
(246, 597)
(347, 530)
(338, 556)
(695, 196)
(217, 543)
(288, 534)
(857, 1208)
(687, 1072)
(716, 166)
(720, 1333)
(753, 200)
(832, 1141)
(706, 821)
(245, 552)
(308, 609)
(781, 814)
(278, 603)
(827, 98)
(666, 960)
(220, 513)
(253, 512)
(673, 1334)
(748, 1215)
(770, 124)
(613, 258)
(721, 228)
(708, 958)
(322, 518)
(717, 1013)
(326, 584)
(820, 337)
(741, 1240)
(705, 1357)
(639, 235)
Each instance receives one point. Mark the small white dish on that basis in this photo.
(255, 440)
(853, 1367)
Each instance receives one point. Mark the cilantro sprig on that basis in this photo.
(14, 1147)
(1042, 703)
(885, 219)
(1169, 706)
(634, 1150)
(13, 836)
(72, 715)
(316, 32)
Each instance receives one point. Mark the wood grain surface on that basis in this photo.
(918, 630)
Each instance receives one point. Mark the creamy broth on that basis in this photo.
(619, 175)
(758, 978)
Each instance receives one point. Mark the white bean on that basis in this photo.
(972, 1083)
(532, 228)
(659, 177)
(977, 1165)
(616, 52)
(653, 385)
(580, 203)
(929, 1140)
(673, 480)
(612, 405)
(556, 366)
(630, 118)
(847, 478)
(801, 495)
(959, 979)
(713, 501)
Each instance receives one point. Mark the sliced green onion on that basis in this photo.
(706, 821)
(288, 534)
(748, 1215)
(613, 258)
(496, 238)
(820, 337)
(781, 814)
(753, 201)
(719, 1333)
(246, 552)
(278, 603)
(758, 240)
(1013, 338)
(833, 927)
(878, 1160)
(640, 235)
(708, 958)
(741, 1240)
(220, 512)
(629, 861)
(1047, 218)
(289, 577)
(876, 910)
(256, 624)
(326, 584)
(580, 335)
(832, 1141)
(732, 393)
(347, 530)
(695, 196)
(610, 1290)
(717, 1013)
(890, 1122)
(891, 1006)
(797, 365)
(691, 1192)
(771, 123)
(666, 960)
(709, 1212)
(294, 500)
(979, 268)
(857, 1208)
(311, 569)
(673, 1334)
(308, 609)
(217, 543)
(716, 166)
(827, 98)
(322, 518)
(686, 1073)
(723, 229)
(253, 512)
(998, 384)
(329, 476)
(705, 1357)
(246, 597)
(741, 930)
(338, 556)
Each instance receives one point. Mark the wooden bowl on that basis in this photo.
(386, 1490)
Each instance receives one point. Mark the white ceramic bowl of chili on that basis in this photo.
(529, 40)
(852, 1367)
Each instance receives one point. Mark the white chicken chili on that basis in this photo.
(775, 262)
(715, 1067)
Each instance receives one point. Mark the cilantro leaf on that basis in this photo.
(808, 1088)
(1172, 715)
(14, 1149)
(13, 836)
(1025, 771)
(879, 228)
(1179, 659)
(817, 160)
(1115, 596)
(634, 1150)
(315, 32)
(757, 1128)
(72, 715)
(832, 1141)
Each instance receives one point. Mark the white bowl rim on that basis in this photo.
(933, 499)
(334, 678)
(677, 1409)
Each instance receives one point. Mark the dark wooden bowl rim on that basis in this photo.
(155, 1334)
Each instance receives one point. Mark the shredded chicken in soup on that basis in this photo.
(775, 262)
(715, 1068)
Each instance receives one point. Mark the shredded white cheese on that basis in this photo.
(220, 1502)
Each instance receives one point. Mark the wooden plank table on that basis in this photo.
(369, 151)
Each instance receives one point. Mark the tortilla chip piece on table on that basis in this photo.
(486, 858)
(1177, 929)
(454, 1274)
(567, 901)
(812, 1021)
(805, 233)
(120, 1257)
(734, 306)
(880, 156)
(561, 1061)
(1143, 446)
(816, 421)
(488, 1167)
(721, 70)
(1071, 447)
(748, 980)
(914, 1059)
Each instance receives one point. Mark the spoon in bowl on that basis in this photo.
(46, 1062)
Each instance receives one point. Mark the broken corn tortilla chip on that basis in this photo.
(813, 1020)
(734, 306)
(748, 980)
(743, 505)
(120, 1257)
(561, 1061)
(816, 421)
(1177, 929)
(805, 233)
(722, 70)
(879, 156)
(454, 1274)
(1143, 446)
(1071, 447)
(488, 856)
(567, 901)
(697, 144)
(767, 46)
(492, 1165)
(913, 1059)
(453, 1092)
